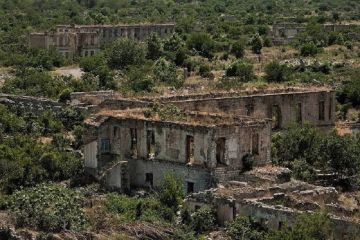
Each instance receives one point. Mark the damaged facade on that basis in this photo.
(207, 145)
(86, 40)
(125, 148)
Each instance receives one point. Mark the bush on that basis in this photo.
(242, 70)
(256, 43)
(124, 53)
(245, 228)
(202, 43)
(203, 220)
(171, 191)
(276, 72)
(238, 49)
(48, 207)
(165, 72)
(309, 49)
(154, 47)
(205, 71)
(147, 209)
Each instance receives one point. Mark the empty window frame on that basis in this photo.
(321, 110)
(220, 151)
(133, 144)
(149, 179)
(298, 111)
(276, 117)
(105, 145)
(189, 149)
(249, 109)
(115, 131)
(150, 140)
(190, 187)
(255, 144)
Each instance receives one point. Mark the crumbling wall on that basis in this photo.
(263, 106)
(30, 104)
(199, 176)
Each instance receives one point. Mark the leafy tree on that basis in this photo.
(124, 53)
(309, 49)
(165, 71)
(203, 220)
(242, 70)
(202, 43)
(276, 72)
(154, 47)
(350, 92)
(238, 49)
(171, 191)
(256, 43)
(244, 228)
(174, 43)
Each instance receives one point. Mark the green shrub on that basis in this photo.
(202, 43)
(171, 191)
(309, 49)
(203, 220)
(238, 49)
(165, 71)
(276, 72)
(243, 71)
(245, 228)
(124, 53)
(48, 207)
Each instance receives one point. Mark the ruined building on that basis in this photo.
(86, 40)
(129, 144)
(284, 33)
(133, 149)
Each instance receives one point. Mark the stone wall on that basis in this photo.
(286, 107)
(30, 104)
(199, 176)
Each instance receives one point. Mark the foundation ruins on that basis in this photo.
(269, 196)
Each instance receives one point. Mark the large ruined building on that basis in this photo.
(86, 40)
(127, 144)
(285, 33)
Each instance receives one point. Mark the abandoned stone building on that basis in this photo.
(128, 148)
(208, 144)
(269, 196)
(284, 106)
(86, 40)
(285, 33)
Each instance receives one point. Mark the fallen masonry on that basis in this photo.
(265, 195)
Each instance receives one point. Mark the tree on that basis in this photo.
(341, 153)
(154, 47)
(309, 49)
(124, 53)
(165, 71)
(256, 43)
(244, 228)
(203, 220)
(202, 43)
(242, 70)
(174, 43)
(238, 49)
(276, 72)
(171, 191)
